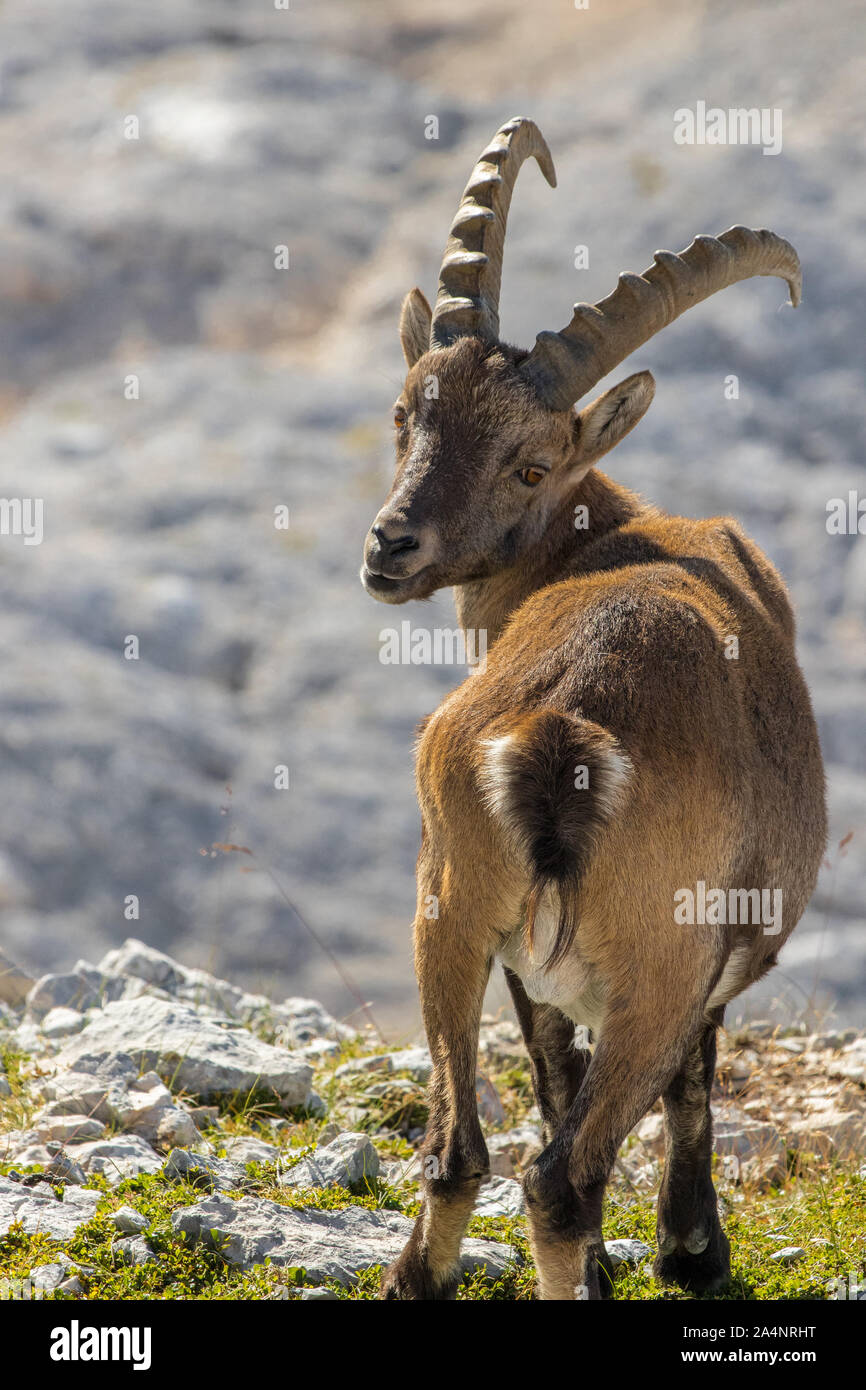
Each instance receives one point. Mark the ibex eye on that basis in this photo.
(399, 418)
(532, 476)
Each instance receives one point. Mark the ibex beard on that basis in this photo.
(608, 753)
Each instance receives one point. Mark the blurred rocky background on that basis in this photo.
(152, 259)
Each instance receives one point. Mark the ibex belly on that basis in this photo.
(573, 985)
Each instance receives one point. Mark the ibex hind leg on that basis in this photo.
(637, 1057)
(558, 1065)
(693, 1249)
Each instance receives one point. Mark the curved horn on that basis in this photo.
(564, 366)
(468, 298)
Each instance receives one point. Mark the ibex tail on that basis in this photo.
(553, 781)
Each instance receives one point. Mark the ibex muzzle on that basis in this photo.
(640, 730)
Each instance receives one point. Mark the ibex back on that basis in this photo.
(640, 734)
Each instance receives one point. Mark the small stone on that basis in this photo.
(361, 1065)
(740, 1069)
(822, 1042)
(76, 1093)
(320, 1049)
(626, 1252)
(763, 1173)
(650, 1134)
(512, 1148)
(141, 1107)
(209, 1174)
(76, 989)
(348, 1161)
(502, 1043)
(5, 1088)
(244, 1149)
(57, 1023)
(829, 1131)
(393, 1089)
(734, 1133)
(32, 1154)
(134, 1250)
(129, 1221)
(176, 1130)
(320, 1294)
(401, 1172)
(302, 1020)
(123, 1156)
(416, 1061)
(207, 1116)
(789, 1256)
(47, 1278)
(500, 1197)
(27, 1038)
(67, 1129)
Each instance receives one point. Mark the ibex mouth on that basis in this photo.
(397, 589)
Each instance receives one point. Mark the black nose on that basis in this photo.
(394, 544)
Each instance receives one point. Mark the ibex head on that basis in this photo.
(488, 440)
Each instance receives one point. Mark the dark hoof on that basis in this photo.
(697, 1273)
(408, 1279)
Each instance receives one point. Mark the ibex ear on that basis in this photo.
(415, 317)
(608, 419)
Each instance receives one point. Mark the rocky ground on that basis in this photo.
(164, 1133)
(154, 257)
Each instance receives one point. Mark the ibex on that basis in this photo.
(641, 727)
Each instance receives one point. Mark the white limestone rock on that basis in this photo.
(350, 1161)
(204, 1055)
(39, 1210)
(626, 1252)
(327, 1244)
(123, 1156)
(500, 1197)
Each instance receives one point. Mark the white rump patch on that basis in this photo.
(495, 773)
(612, 791)
(496, 790)
(734, 977)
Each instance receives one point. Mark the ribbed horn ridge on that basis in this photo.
(564, 366)
(468, 298)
